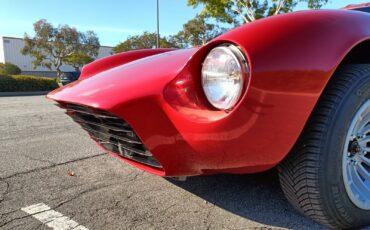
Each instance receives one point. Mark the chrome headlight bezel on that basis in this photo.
(230, 85)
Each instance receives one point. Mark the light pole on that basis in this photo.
(157, 23)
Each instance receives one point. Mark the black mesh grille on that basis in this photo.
(111, 132)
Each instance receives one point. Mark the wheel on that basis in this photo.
(326, 176)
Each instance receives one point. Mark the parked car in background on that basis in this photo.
(68, 77)
(291, 91)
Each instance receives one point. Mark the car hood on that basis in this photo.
(145, 77)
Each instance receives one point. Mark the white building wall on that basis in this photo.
(104, 51)
(2, 58)
(11, 49)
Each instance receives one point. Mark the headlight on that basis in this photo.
(223, 73)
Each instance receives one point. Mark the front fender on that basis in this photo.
(291, 59)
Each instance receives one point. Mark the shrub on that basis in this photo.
(23, 83)
(9, 69)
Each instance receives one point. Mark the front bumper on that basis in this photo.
(111, 132)
(138, 100)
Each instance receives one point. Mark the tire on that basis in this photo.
(313, 175)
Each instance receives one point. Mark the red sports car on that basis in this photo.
(291, 91)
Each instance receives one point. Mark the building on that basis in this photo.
(10, 52)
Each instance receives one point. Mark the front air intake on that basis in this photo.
(111, 132)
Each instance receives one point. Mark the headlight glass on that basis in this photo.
(222, 76)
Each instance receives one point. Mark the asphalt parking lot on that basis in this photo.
(46, 158)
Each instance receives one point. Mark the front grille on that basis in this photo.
(111, 132)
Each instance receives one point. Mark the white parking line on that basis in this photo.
(51, 218)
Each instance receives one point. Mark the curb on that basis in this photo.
(15, 94)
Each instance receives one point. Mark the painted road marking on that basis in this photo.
(51, 218)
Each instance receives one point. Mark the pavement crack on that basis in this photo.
(94, 189)
(82, 193)
(12, 220)
(3, 196)
(51, 166)
(134, 178)
(164, 211)
(7, 213)
(5, 192)
(39, 160)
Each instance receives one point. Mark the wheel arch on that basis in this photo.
(359, 54)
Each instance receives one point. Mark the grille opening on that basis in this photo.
(111, 132)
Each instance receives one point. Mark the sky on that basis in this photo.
(112, 20)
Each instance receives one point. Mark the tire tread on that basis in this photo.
(300, 170)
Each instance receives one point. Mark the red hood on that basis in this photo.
(141, 78)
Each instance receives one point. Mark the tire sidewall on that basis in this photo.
(331, 183)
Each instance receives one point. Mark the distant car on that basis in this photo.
(68, 77)
(291, 91)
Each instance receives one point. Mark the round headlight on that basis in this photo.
(223, 76)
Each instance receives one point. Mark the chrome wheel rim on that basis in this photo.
(356, 158)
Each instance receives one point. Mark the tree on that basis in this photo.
(77, 60)
(85, 52)
(197, 32)
(179, 40)
(53, 46)
(244, 11)
(146, 40)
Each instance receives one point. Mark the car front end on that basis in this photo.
(234, 105)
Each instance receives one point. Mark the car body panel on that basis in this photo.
(291, 58)
(356, 6)
(116, 60)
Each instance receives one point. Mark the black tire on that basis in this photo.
(311, 176)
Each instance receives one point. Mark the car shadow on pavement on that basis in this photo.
(256, 197)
